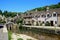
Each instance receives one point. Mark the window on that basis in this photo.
(37, 16)
(29, 22)
(30, 13)
(55, 22)
(42, 15)
(49, 15)
(32, 21)
(54, 15)
(43, 22)
(39, 21)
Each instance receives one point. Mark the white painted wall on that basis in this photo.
(41, 19)
(52, 19)
(48, 19)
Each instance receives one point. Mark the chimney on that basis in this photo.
(17, 14)
(36, 10)
(47, 8)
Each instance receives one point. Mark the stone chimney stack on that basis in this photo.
(17, 14)
(47, 8)
(36, 10)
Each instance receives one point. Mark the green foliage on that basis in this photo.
(41, 24)
(19, 39)
(19, 21)
(0, 12)
(29, 39)
(1, 21)
(44, 8)
(9, 35)
(39, 9)
(9, 14)
(47, 24)
(37, 24)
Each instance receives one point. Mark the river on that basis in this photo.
(38, 34)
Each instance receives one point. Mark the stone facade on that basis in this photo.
(41, 17)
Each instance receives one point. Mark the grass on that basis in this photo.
(29, 39)
(9, 35)
(19, 39)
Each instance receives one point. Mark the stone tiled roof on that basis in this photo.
(34, 13)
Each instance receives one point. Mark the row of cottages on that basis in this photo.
(40, 18)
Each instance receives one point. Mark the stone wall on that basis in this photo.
(58, 21)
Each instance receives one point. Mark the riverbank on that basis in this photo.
(16, 36)
(40, 34)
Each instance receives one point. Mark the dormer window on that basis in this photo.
(37, 16)
(54, 15)
(30, 13)
(49, 15)
(42, 15)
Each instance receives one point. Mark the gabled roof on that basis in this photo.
(34, 13)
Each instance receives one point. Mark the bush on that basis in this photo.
(19, 39)
(40, 24)
(37, 24)
(47, 24)
(29, 39)
(9, 35)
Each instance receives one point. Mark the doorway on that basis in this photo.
(51, 23)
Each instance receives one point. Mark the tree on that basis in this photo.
(5, 13)
(20, 21)
(47, 24)
(19, 39)
(59, 3)
(9, 14)
(2, 21)
(0, 12)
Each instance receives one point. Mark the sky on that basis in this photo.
(24, 5)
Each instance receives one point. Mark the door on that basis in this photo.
(51, 23)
